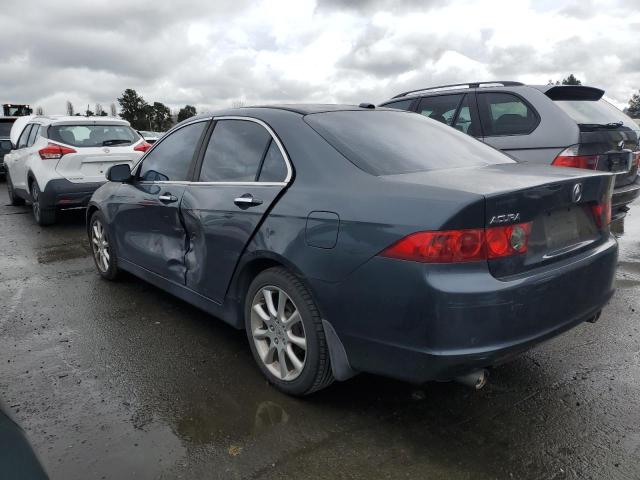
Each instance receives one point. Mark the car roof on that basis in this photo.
(555, 92)
(299, 108)
(76, 119)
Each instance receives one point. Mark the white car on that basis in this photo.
(58, 162)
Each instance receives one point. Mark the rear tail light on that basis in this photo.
(54, 152)
(455, 246)
(636, 159)
(142, 147)
(569, 158)
(602, 213)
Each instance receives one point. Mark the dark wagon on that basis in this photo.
(347, 239)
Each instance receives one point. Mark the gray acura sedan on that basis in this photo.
(357, 239)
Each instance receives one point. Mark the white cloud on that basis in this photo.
(212, 53)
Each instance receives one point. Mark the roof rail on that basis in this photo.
(468, 85)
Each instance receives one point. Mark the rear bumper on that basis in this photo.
(61, 193)
(624, 195)
(419, 322)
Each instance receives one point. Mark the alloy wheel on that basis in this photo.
(100, 246)
(278, 333)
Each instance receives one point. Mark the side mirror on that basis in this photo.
(119, 173)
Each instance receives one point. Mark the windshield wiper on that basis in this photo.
(115, 141)
(601, 125)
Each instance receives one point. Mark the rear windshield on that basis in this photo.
(598, 112)
(389, 143)
(5, 146)
(5, 129)
(93, 135)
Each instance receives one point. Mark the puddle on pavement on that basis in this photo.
(59, 253)
(627, 283)
(632, 267)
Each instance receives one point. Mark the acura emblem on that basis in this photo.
(105, 150)
(621, 145)
(577, 192)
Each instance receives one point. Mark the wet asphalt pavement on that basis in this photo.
(120, 380)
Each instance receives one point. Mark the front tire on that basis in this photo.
(15, 200)
(43, 216)
(104, 255)
(285, 333)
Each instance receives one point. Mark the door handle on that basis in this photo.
(247, 200)
(167, 198)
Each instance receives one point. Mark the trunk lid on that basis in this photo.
(90, 164)
(615, 147)
(558, 204)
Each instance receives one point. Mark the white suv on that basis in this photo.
(58, 162)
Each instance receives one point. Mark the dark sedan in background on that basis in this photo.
(347, 239)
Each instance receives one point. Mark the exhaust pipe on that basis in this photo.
(475, 380)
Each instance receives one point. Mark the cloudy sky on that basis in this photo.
(213, 53)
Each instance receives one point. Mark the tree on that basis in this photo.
(159, 117)
(88, 113)
(114, 112)
(187, 112)
(70, 111)
(571, 80)
(134, 109)
(237, 104)
(39, 110)
(634, 106)
(98, 110)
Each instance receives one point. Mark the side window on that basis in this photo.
(32, 136)
(464, 121)
(401, 105)
(236, 149)
(441, 108)
(506, 114)
(24, 136)
(170, 160)
(274, 169)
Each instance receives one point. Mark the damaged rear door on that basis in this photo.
(241, 173)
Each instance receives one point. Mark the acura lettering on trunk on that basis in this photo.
(346, 240)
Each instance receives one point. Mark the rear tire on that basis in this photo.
(43, 216)
(104, 255)
(15, 200)
(286, 329)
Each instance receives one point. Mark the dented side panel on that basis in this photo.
(218, 231)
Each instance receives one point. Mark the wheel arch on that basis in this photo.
(91, 209)
(250, 268)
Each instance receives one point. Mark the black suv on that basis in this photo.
(5, 141)
(564, 125)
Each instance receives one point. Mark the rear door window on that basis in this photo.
(235, 152)
(506, 114)
(467, 121)
(171, 159)
(441, 108)
(32, 136)
(274, 168)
